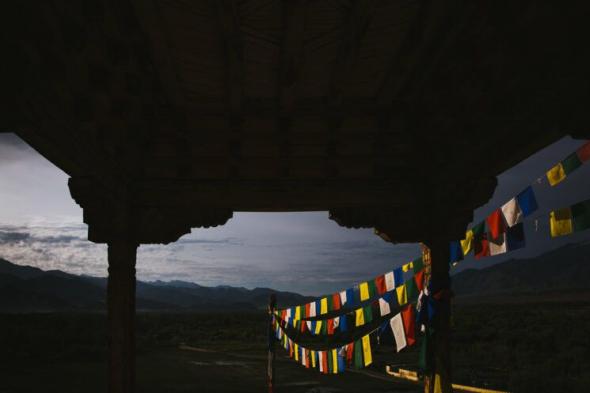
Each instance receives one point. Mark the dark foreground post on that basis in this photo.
(121, 316)
(438, 380)
(272, 303)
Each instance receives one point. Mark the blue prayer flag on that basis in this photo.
(398, 277)
(341, 361)
(527, 201)
(343, 325)
(318, 307)
(350, 297)
(313, 326)
(455, 251)
(515, 237)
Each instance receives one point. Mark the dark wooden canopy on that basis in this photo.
(393, 114)
(389, 114)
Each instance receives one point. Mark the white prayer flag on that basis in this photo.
(397, 327)
(288, 313)
(384, 307)
(312, 309)
(389, 283)
(512, 213)
(308, 323)
(321, 355)
(343, 298)
(336, 322)
(498, 246)
(303, 358)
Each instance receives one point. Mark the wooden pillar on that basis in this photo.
(439, 380)
(121, 316)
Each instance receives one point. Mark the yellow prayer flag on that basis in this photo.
(360, 317)
(312, 358)
(334, 361)
(296, 351)
(324, 306)
(318, 327)
(297, 313)
(406, 268)
(402, 294)
(367, 350)
(556, 174)
(467, 243)
(560, 221)
(364, 290)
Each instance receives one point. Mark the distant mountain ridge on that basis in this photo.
(30, 289)
(566, 268)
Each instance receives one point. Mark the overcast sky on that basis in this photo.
(40, 225)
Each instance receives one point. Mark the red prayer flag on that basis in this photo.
(303, 326)
(306, 357)
(307, 310)
(380, 285)
(409, 320)
(482, 248)
(325, 362)
(330, 326)
(336, 301)
(496, 224)
(349, 353)
(584, 152)
(419, 277)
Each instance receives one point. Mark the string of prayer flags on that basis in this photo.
(559, 172)
(567, 220)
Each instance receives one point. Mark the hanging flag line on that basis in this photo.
(354, 295)
(357, 353)
(405, 293)
(567, 220)
(503, 229)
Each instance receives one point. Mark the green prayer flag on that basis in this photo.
(479, 230)
(358, 354)
(330, 303)
(418, 265)
(571, 163)
(581, 216)
(368, 313)
(330, 365)
(372, 289)
(325, 328)
(411, 290)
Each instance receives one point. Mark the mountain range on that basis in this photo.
(30, 289)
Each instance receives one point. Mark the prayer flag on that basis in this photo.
(397, 328)
(325, 328)
(330, 304)
(398, 277)
(336, 322)
(358, 354)
(409, 324)
(406, 268)
(418, 265)
(556, 174)
(368, 313)
(498, 246)
(304, 357)
(456, 252)
(419, 278)
(411, 289)
(297, 313)
(312, 310)
(350, 296)
(389, 283)
(289, 313)
(311, 326)
(307, 310)
(581, 216)
(343, 323)
(372, 289)
(515, 237)
(296, 352)
(324, 306)
(313, 358)
(330, 326)
(479, 230)
(380, 285)
(402, 296)
(584, 152)
(360, 317)
(384, 308)
(527, 201)
(560, 222)
(321, 360)
(367, 351)
(350, 354)
(495, 224)
(318, 327)
(467, 243)
(571, 163)
(335, 361)
(342, 359)
(482, 247)
(512, 213)
(364, 290)
(343, 298)
(330, 367)
(336, 301)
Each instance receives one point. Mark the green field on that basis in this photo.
(532, 347)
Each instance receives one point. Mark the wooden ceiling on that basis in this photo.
(391, 114)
